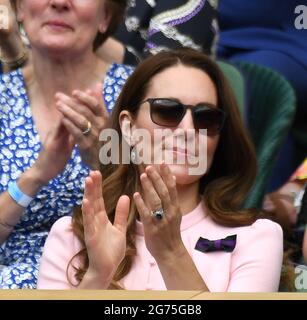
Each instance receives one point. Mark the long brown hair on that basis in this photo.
(232, 172)
(115, 8)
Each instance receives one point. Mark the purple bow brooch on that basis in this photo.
(227, 244)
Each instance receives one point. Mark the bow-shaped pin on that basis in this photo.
(227, 244)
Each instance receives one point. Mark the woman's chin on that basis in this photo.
(184, 174)
(58, 47)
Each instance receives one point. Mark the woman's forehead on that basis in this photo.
(183, 82)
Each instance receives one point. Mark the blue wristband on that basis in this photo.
(21, 198)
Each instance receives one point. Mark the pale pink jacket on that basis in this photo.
(253, 266)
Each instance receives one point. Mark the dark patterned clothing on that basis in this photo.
(154, 25)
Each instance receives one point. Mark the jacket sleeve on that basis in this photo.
(257, 260)
(60, 247)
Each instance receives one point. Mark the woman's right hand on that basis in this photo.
(105, 243)
(55, 154)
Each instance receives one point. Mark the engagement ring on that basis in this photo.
(158, 214)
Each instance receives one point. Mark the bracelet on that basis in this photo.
(17, 195)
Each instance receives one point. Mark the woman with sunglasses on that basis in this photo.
(154, 226)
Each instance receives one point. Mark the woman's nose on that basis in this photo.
(61, 5)
(187, 121)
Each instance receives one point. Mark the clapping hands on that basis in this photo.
(106, 242)
(84, 117)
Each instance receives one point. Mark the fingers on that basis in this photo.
(58, 130)
(170, 181)
(87, 98)
(71, 142)
(164, 184)
(151, 196)
(59, 138)
(93, 193)
(97, 180)
(121, 213)
(159, 186)
(80, 110)
(93, 208)
(88, 189)
(103, 113)
(97, 92)
(77, 114)
(75, 132)
(159, 191)
(143, 211)
(88, 218)
(81, 107)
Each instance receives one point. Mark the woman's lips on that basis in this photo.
(182, 151)
(58, 25)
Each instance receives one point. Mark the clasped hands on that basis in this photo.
(83, 116)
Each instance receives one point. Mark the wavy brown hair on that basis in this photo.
(115, 8)
(230, 177)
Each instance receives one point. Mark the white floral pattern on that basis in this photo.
(19, 148)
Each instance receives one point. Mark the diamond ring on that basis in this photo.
(158, 214)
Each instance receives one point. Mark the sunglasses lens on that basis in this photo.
(166, 113)
(210, 119)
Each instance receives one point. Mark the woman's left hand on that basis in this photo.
(162, 236)
(84, 116)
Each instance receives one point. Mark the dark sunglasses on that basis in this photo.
(169, 113)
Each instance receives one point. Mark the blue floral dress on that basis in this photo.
(19, 148)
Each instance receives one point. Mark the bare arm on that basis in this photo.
(51, 161)
(10, 212)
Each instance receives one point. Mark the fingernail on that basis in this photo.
(149, 169)
(163, 166)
